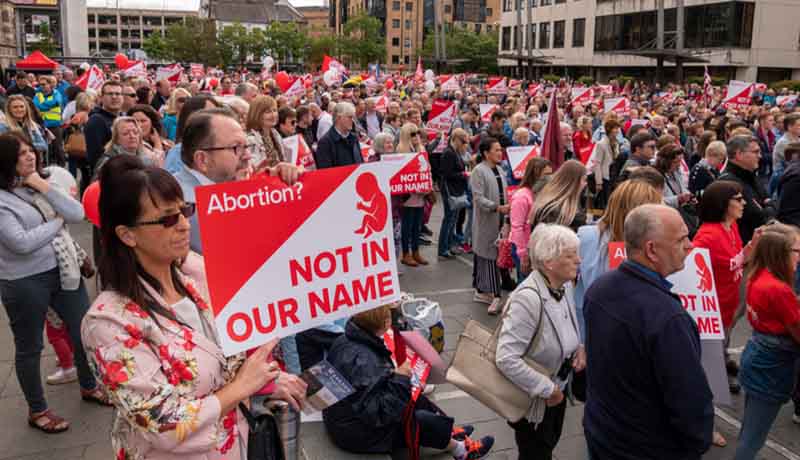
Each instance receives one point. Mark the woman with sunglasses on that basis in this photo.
(772, 353)
(150, 334)
(39, 268)
(721, 205)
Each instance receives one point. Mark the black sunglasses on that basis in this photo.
(415, 133)
(187, 210)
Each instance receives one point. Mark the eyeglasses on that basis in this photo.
(187, 211)
(130, 94)
(739, 198)
(180, 100)
(415, 133)
(114, 94)
(239, 149)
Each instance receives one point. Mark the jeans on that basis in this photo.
(537, 442)
(435, 429)
(518, 264)
(447, 232)
(759, 415)
(26, 301)
(411, 228)
(291, 358)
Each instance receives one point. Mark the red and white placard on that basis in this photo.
(442, 115)
(619, 105)
(414, 176)
(497, 85)
(171, 73)
(366, 151)
(519, 158)
(581, 96)
(382, 103)
(324, 251)
(299, 152)
(738, 95)
(93, 79)
(449, 82)
(781, 101)
(486, 112)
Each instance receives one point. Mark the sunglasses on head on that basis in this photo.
(415, 133)
(187, 210)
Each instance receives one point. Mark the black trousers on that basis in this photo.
(435, 429)
(313, 345)
(537, 442)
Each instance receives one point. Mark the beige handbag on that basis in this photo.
(474, 371)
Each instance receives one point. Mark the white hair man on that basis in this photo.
(339, 146)
(651, 398)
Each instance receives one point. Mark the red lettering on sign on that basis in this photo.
(385, 284)
(689, 301)
(324, 265)
(248, 327)
(709, 303)
(707, 325)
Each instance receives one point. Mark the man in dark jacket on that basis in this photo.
(789, 188)
(21, 86)
(98, 127)
(744, 155)
(648, 393)
(339, 146)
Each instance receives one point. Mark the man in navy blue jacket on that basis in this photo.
(647, 393)
(339, 146)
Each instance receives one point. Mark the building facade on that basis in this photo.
(317, 19)
(253, 13)
(8, 36)
(64, 19)
(754, 40)
(114, 30)
(406, 23)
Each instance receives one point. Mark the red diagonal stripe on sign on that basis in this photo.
(237, 243)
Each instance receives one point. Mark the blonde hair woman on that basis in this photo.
(126, 139)
(174, 106)
(19, 117)
(559, 202)
(262, 118)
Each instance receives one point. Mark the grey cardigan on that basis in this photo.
(25, 237)
(517, 332)
(485, 199)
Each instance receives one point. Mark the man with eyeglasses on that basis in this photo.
(98, 127)
(744, 155)
(215, 150)
(287, 121)
(643, 149)
(128, 98)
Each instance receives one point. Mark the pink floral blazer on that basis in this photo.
(161, 381)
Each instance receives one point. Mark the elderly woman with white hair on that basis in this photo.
(543, 303)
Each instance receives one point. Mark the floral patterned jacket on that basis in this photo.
(161, 381)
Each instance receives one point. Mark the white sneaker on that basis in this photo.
(494, 307)
(429, 388)
(62, 376)
(484, 297)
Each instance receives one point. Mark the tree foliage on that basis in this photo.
(363, 41)
(479, 50)
(237, 45)
(318, 47)
(47, 43)
(285, 41)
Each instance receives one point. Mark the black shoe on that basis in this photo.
(446, 255)
(462, 432)
(424, 242)
(426, 231)
(732, 367)
(477, 449)
(733, 386)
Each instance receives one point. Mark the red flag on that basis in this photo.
(551, 144)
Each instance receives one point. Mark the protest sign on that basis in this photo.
(420, 369)
(382, 103)
(324, 251)
(486, 112)
(414, 176)
(93, 79)
(366, 151)
(299, 153)
(497, 85)
(694, 285)
(781, 101)
(533, 88)
(738, 95)
(171, 73)
(449, 82)
(442, 115)
(619, 105)
(519, 158)
(581, 96)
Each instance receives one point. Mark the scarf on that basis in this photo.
(69, 254)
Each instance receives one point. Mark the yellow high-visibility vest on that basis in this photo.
(54, 114)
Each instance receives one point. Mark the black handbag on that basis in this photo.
(264, 440)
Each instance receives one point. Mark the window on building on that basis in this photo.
(408, 24)
(544, 35)
(395, 59)
(407, 59)
(546, 2)
(448, 9)
(505, 42)
(532, 31)
(534, 3)
(560, 1)
(578, 32)
(106, 19)
(395, 41)
(407, 42)
(91, 19)
(395, 23)
(488, 27)
(477, 28)
(507, 5)
(559, 31)
(92, 33)
(409, 6)
(489, 12)
(395, 6)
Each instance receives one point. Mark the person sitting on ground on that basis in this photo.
(373, 419)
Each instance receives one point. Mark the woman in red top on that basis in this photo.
(772, 352)
(582, 139)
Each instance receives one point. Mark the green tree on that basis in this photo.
(47, 43)
(156, 47)
(318, 47)
(362, 41)
(194, 40)
(237, 45)
(285, 42)
(478, 51)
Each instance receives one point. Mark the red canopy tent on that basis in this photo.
(37, 61)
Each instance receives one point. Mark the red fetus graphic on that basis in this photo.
(373, 204)
(706, 281)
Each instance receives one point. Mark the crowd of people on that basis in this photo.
(678, 170)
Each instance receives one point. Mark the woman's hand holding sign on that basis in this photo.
(254, 374)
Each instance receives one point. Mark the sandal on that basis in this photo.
(48, 422)
(96, 396)
(719, 440)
